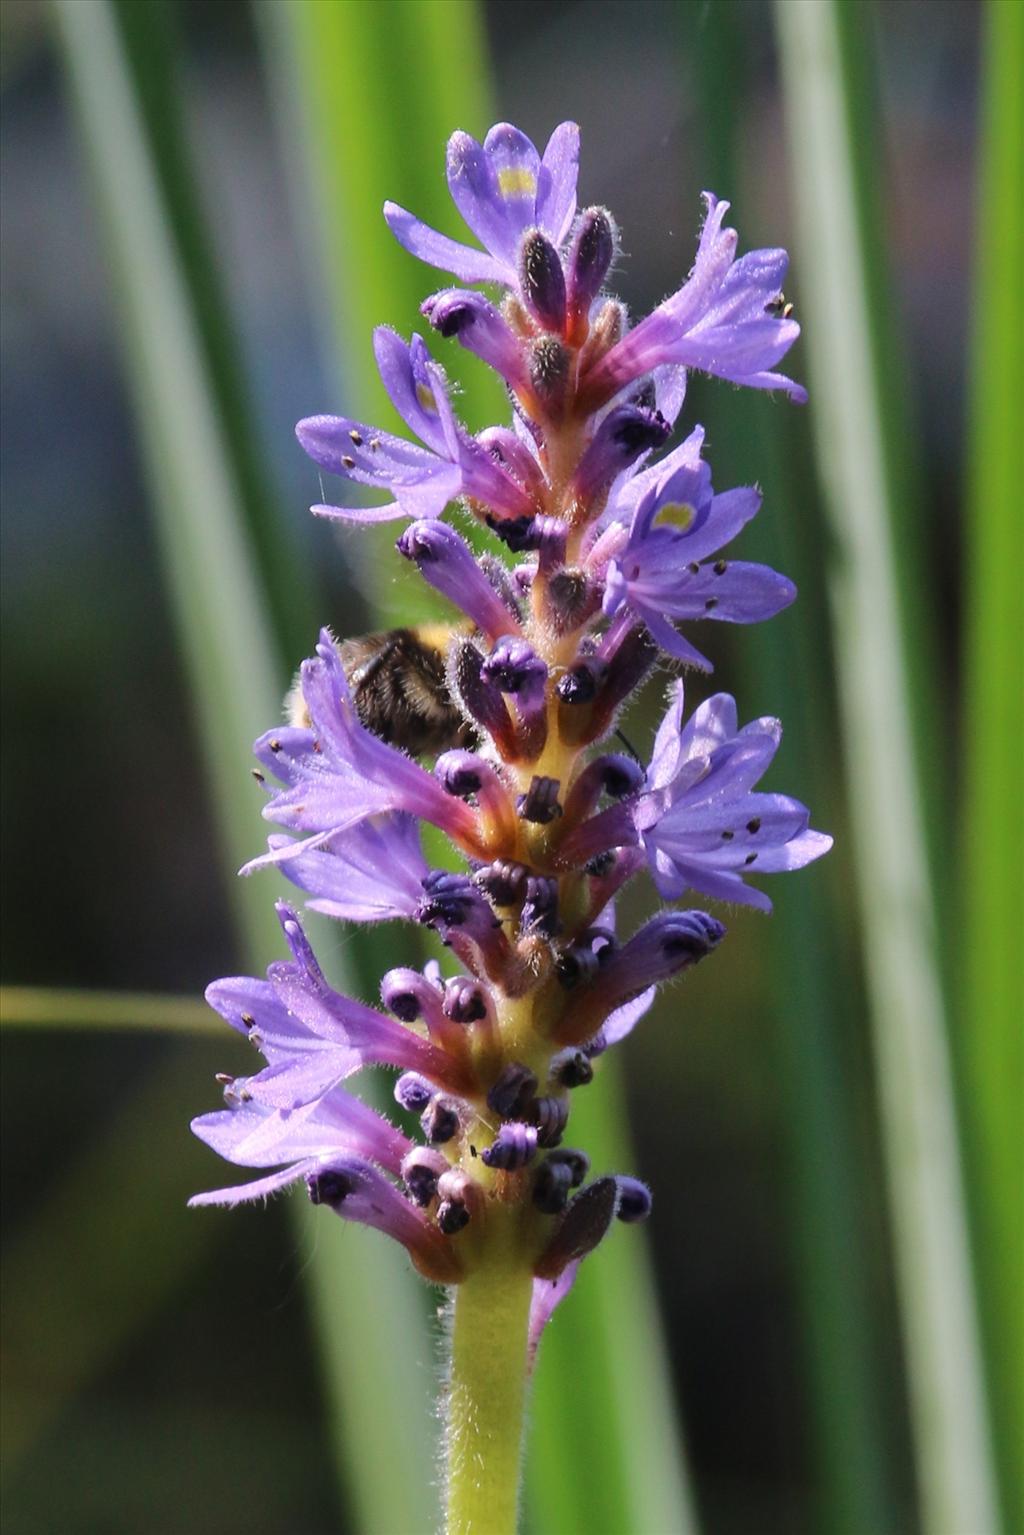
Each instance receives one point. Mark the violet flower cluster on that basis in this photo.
(605, 559)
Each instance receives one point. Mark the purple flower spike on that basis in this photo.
(677, 522)
(446, 561)
(338, 774)
(501, 188)
(700, 825)
(722, 321)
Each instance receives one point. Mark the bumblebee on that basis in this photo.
(400, 688)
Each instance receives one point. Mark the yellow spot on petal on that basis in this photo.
(516, 181)
(426, 399)
(675, 514)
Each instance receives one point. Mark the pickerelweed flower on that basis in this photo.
(495, 730)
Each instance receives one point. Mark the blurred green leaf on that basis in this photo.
(47, 1007)
(990, 1036)
(234, 671)
(839, 264)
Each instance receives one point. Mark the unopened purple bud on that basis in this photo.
(570, 599)
(576, 1161)
(482, 699)
(613, 774)
(451, 901)
(551, 1187)
(506, 448)
(634, 1200)
(465, 1000)
(441, 1120)
(460, 773)
(581, 1228)
(548, 362)
(413, 1092)
(541, 279)
(625, 433)
(540, 802)
(421, 1169)
(550, 1115)
(446, 561)
(513, 1090)
(540, 907)
(591, 255)
(513, 1147)
(522, 535)
(515, 667)
(479, 327)
(572, 1069)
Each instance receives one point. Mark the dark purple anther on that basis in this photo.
(504, 882)
(479, 327)
(513, 1147)
(465, 1000)
(576, 966)
(452, 1217)
(540, 802)
(421, 1169)
(413, 1092)
(446, 561)
(625, 433)
(591, 255)
(440, 1120)
(551, 1187)
(576, 1161)
(402, 992)
(580, 684)
(634, 1200)
(453, 901)
(540, 907)
(541, 280)
(550, 1115)
(572, 1069)
(328, 1186)
(514, 1089)
(461, 773)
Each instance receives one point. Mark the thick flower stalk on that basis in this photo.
(498, 730)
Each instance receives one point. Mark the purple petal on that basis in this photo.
(547, 1294)
(556, 189)
(246, 1193)
(437, 250)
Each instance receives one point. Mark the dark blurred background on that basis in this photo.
(194, 1405)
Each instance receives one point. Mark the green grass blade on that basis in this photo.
(897, 905)
(990, 1037)
(406, 87)
(236, 680)
(46, 1007)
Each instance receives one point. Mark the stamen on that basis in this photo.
(513, 1147)
(513, 1089)
(540, 802)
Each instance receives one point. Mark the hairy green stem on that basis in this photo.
(487, 1386)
